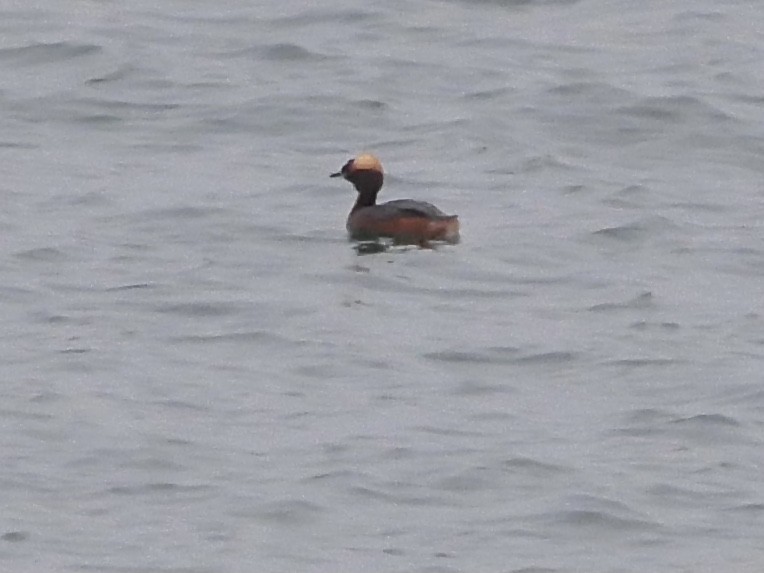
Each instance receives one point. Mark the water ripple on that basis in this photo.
(42, 53)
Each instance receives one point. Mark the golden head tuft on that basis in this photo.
(367, 161)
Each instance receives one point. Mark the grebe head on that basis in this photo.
(364, 172)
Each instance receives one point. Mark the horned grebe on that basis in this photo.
(405, 220)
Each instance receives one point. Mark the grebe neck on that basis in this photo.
(368, 183)
(365, 199)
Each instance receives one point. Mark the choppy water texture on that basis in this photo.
(201, 374)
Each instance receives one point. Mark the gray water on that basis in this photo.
(201, 374)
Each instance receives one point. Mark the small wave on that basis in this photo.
(495, 356)
(628, 232)
(199, 309)
(521, 3)
(117, 75)
(543, 163)
(187, 213)
(400, 499)
(148, 463)
(370, 104)
(156, 487)
(458, 356)
(501, 356)
(282, 52)
(42, 254)
(288, 512)
(257, 336)
(16, 145)
(601, 520)
(182, 405)
(548, 358)
(23, 415)
(669, 493)
(674, 109)
(132, 286)
(708, 428)
(649, 416)
(13, 293)
(592, 92)
(644, 362)
(15, 536)
(708, 420)
(629, 197)
(467, 481)
(643, 325)
(448, 432)
(598, 514)
(752, 508)
(92, 111)
(696, 16)
(533, 467)
(336, 18)
(290, 53)
(79, 350)
(481, 388)
(47, 53)
(635, 231)
(489, 95)
(120, 105)
(641, 301)
(333, 476)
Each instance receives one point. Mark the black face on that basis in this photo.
(344, 171)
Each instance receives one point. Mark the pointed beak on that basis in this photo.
(338, 174)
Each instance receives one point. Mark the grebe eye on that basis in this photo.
(347, 167)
